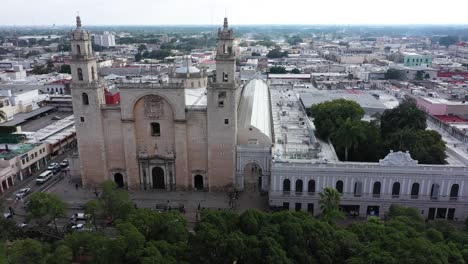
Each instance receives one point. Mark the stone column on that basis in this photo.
(182, 177)
(131, 161)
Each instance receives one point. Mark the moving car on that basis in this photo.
(23, 192)
(64, 164)
(43, 177)
(54, 167)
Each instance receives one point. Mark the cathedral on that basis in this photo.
(172, 136)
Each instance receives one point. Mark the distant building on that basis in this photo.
(106, 40)
(414, 59)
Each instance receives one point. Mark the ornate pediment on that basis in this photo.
(399, 158)
(153, 107)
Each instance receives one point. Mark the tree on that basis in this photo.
(95, 209)
(46, 207)
(116, 202)
(330, 204)
(278, 69)
(296, 71)
(328, 115)
(348, 134)
(62, 255)
(405, 116)
(65, 68)
(26, 251)
(142, 48)
(419, 75)
(294, 40)
(276, 53)
(393, 74)
(138, 57)
(448, 40)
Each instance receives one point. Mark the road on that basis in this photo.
(9, 196)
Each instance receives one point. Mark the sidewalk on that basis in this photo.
(147, 199)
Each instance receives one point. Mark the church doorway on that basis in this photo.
(158, 178)
(118, 179)
(252, 177)
(198, 182)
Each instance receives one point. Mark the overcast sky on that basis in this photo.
(163, 12)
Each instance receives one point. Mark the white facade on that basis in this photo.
(106, 40)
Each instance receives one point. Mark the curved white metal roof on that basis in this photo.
(254, 109)
(190, 69)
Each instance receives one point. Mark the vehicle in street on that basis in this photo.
(80, 217)
(64, 164)
(23, 192)
(54, 167)
(43, 177)
(8, 215)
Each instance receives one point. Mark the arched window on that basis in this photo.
(396, 190)
(454, 192)
(376, 189)
(415, 191)
(85, 99)
(80, 74)
(339, 186)
(224, 49)
(286, 185)
(78, 49)
(358, 189)
(435, 191)
(93, 74)
(299, 186)
(311, 187)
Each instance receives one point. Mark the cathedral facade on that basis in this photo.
(164, 136)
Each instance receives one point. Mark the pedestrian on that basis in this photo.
(76, 186)
(199, 206)
(96, 192)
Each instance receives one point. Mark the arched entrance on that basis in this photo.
(198, 182)
(252, 177)
(118, 179)
(158, 178)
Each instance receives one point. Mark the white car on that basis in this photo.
(23, 192)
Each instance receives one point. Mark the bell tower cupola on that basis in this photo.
(83, 63)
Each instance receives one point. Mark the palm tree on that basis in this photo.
(348, 135)
(330, 204)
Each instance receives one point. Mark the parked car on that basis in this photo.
(43, 177)
(23, 192)
(80, 217)
(54, 167)
(8, 215)
(64, 164)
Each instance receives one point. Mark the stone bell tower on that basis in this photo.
(222, 114)
(88, 96)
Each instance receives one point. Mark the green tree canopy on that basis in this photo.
(278, 69)
(276, 53)
(46, 207)
(393, 74)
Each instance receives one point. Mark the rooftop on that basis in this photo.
(293, 134)
(16, 150)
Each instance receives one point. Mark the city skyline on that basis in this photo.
(242, 12)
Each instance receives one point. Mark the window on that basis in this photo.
(78, 49)
(224, 49)
(191, 84)
(155, 129)
(93, 73)
(435, 191)
(376, 189)
(85, 99)
(311, 187)
(226, 121)
(454, 192)
(221, 103)
(225, 77)
(221, 95)
(80, 74)
(286, 185)
(299, 186)
(23, 161)
(358, 189)
(415, 191)
(82, 119)
(339, 186)
(396, 190)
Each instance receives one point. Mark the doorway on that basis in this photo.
(158, 178)
(198, 182)
(118, 179)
